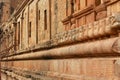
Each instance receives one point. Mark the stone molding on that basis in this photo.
(47, 75)
(94, 48)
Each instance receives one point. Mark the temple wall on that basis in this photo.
(62, 40)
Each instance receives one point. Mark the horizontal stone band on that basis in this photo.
(100, 47)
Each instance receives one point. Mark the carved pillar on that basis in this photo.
(21, 40)
(15, 32)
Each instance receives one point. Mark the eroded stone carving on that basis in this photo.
(101, 28)
(116, 46)
(115, 21)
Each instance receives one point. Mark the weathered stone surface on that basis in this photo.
(61, 40)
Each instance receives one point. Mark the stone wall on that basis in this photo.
(62, 40)
(7, 7)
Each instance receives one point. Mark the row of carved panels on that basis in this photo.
(105, 27)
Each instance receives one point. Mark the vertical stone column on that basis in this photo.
(14, 34)
(21, 25)
(69, 11)
(77, 4)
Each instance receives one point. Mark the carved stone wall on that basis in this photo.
(62, 40)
